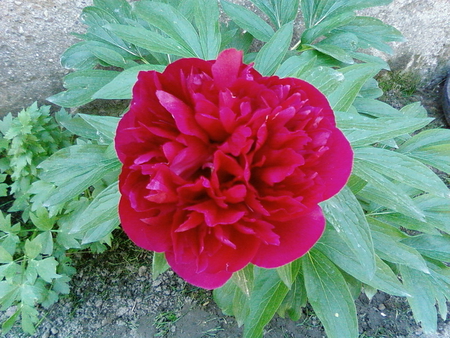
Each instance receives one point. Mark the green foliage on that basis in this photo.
(391, 221)
(43, 223)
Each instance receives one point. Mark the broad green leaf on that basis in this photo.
(232, 301)
(248, 21)
(81, 86)
(32, 248)
(371, 59)
(111, 57)
(355, 77)
(288, 272)
(431, 147)
(279, 12)
(333, 51)
(295, 299)
(159, 264)
(346, 41)
(363, 131)
(149, 40)
(296, 65)
(244, 279)
(74, 169)
(414, 109)
(267, 294)
(326, 79)
(326, 26)
(29, 318)
(340, 254)
(121, 86)
(9, 323)
(402, 169)
(382, 191)
(329, 296)
(79, 57)
(42, 220)
(172, 22)
(77, 126)
(105, 126)
(344, 213)
(272, 53)
(387, 242)
(5, 256)
(101, 216)
(46, 240)
(375, 108)
(436, 247)
(207, 22)
(46, 268)
(422, 299)
(372, 32)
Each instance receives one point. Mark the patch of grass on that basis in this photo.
(163, 322)
(399, 83)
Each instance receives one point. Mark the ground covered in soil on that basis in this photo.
(114, 295)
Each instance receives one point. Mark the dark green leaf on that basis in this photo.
(207, 22)
(436, 247)
(295, 299)
(280, 12)
(329, 296)
(105, 126)
(326, 26)
(288, 272)
(272, 53)
(375, 108)
(267, 294)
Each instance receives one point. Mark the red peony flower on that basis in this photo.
(223, 167)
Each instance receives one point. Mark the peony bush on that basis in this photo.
(254, 159)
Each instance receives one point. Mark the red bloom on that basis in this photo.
(223, 166)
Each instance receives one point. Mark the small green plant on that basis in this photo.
(36, 236)
(163, 321)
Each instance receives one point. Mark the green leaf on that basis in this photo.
(334, 247)
(172, 22)
(120, 88)
(29, 318)
(272, 53)
(355, 77)
(150, 40)
(101, 216)
(244, 279)
(105, 126)
(431, 147)
(77, 126)
(46, 268)
(207, 22)
(9, 323)
(288, 272)
(333, 51)
(46, 240)
(296, 65)
(295, 299)
(159, 264)
(79, 57)
(326, 79)
(344, 212)
(81, 86)
(329, 296)
(267, 295)
(363, 131)
(74, 169)
(32, 248)
(387, 241)
(248, 21)
(232, 301)
(372, 32)
(42, 220)
(280, 12)
(326, 26)
(436, 247)
(375, 108)
(5, 256)
(401, 168)
(422, 299)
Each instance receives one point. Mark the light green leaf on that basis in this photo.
(296, 65)
(436, 247)
(344, 212)
(295, 299)
(248, 21)
(121, 86)
(32, 248)
(375, 108)
(362, 131)
(431, 147)
(29, 318)
(232, 301)
(5, 256)
(172, 22)
(104, 125)
(77, 126)
(244, 279)
(288, 272)
(332, 245)
(150, 40)
(267, 295)
(207, 22)
(326, 26)
(422, 299)
(402, 169)
(272, 53)
(46, 268)
(9, 323)
(159, 264)
(46, 240)
(326, 79)
(333, 51)
(42, 220)
(81, 86)
(280, 12)
(329, 296)
(355, 77)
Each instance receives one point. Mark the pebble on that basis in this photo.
(54, 330)
(121, 311)
(142, 271)
(381, 307)
(46, 334)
